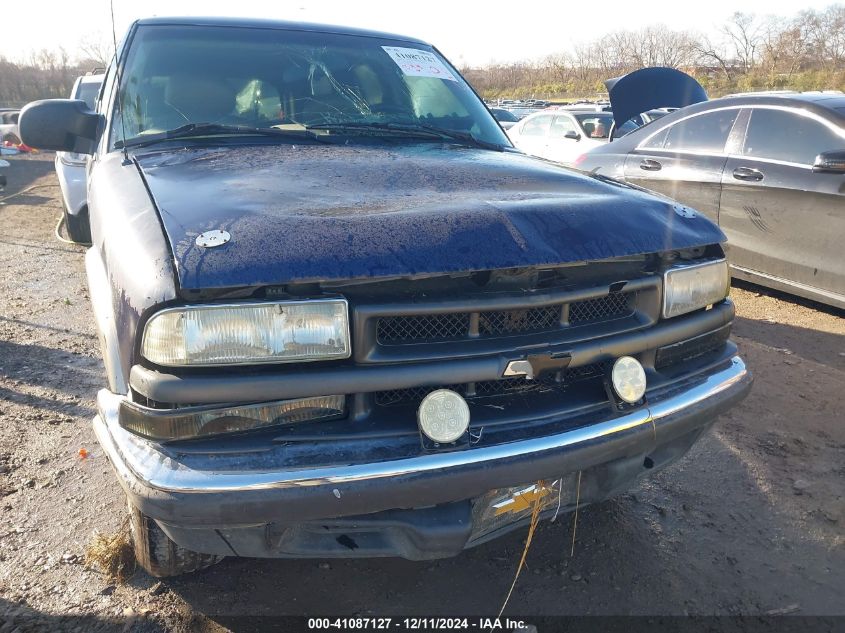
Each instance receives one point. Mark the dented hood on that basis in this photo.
(649, 88)
(318, 212)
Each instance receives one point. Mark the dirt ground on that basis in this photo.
(750, 522)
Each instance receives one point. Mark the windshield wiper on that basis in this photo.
(209, 129)
(419, 130)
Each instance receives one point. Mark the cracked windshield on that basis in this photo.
(276, 81)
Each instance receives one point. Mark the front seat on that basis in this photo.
(194, 99)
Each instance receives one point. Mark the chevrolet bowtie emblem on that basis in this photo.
(534, 365)
(522, 500)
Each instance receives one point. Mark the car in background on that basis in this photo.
(586, 106)
(71, 166)
(769, 169)
(563, 135)
(506, 118)
(9, 132)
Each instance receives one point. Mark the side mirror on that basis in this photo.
(63, 125)
(830, 163)
(571, 134)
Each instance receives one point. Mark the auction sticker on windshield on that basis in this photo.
(418, 63)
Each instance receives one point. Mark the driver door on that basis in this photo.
(533, 134)
(564, 140)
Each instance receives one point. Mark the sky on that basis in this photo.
(473, 33)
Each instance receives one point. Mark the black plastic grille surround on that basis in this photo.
(430, 328)
(690, 349)
(553, 381)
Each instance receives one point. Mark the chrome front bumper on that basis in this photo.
(243, 490)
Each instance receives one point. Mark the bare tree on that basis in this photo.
(743, 34)
(97, 48)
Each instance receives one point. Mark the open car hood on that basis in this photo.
(649, 88)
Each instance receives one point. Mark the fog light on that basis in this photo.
(443, 416)
(628, 378)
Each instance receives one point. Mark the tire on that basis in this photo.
(158, 554)
(78, 227)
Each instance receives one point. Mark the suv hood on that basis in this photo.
(649, 88)
(300, 213)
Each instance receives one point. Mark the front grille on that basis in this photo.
(613, 306)
(423, 327)
(514, 321)
(552, 381)
(430, 328)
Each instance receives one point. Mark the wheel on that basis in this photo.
(78, 227)
(158, 554)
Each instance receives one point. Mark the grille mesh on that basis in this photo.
(429, 328)
(423, 327)
(510, 321)
(612, 306)
(492, 388)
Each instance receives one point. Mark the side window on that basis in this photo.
(536, 126)
(788, 136)
(562, 125)
(657, 141)
(703, 133)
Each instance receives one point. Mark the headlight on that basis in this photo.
(248, 333)
(688, 288)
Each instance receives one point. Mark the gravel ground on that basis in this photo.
(750, 522)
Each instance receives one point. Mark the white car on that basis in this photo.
(70, 168)
(9, 126)
(561, 135)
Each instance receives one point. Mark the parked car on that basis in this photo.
(563, 135)
(70, 168)
(770, 170)
(586, 106)
(9, 126)
(506, 118)
(3, 181)
(341, 316)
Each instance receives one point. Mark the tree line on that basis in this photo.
(748, 52)
(45, 74)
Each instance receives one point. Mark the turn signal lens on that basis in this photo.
(190, 422)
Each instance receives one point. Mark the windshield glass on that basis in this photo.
(289, 79)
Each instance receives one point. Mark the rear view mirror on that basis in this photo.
(62, 125)
(830, 163)
(573, 135)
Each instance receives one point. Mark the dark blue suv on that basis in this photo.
(342, 316)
